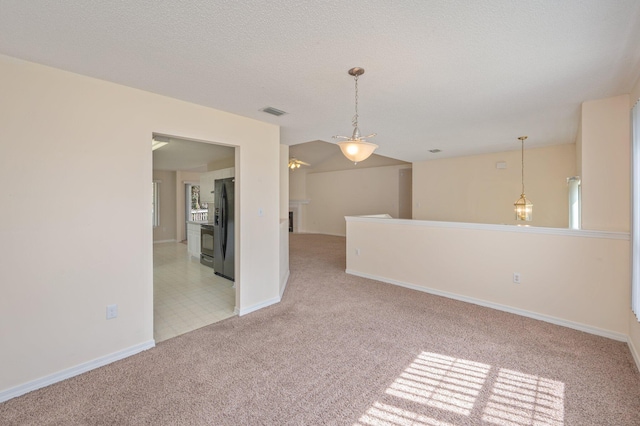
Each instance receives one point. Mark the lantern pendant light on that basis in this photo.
(523, 207)
(356, 148)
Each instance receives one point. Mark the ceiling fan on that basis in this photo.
(294, 163)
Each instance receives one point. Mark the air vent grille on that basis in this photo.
(435, 151)
(273, 111)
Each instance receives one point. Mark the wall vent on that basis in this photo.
(273, 111)
(435, 151)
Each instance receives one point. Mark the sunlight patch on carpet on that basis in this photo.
(519, 399)
(440, 381)
(454, 385)
(387, 415)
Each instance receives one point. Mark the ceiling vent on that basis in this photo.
(435, 151)
(273, 111)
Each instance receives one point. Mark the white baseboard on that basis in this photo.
(283, 284)
(165, 241)
(74, 371)
(245, 311)
(634, 353)
(553, 320)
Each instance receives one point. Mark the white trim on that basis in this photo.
(165, 241)
(257, 306)
(74, 371)
(494, 227)
(553, 320)
(635, 211)
(634, 353)
(283, 284)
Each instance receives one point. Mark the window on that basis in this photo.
(197, 210)
(574, 202)
(635, 199)
(155, 203)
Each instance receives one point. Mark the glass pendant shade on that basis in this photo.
(524, 209)
(357, 150)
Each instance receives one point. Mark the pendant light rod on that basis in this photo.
(522, 139)
(356, 72)
(523, 207)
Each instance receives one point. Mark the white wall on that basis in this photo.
(634, 323)
(166, 231)
(572, 278)
(471, 189)
(284, 217)
(334, 195)
(82, 146)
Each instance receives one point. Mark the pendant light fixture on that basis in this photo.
(523, 207)
(356, 148)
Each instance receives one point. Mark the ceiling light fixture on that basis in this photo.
(294, 163)
(356, 148)
(523, 207)
(158, 142)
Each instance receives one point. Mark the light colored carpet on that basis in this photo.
(343, 350)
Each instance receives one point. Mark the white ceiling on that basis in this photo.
(462, 76)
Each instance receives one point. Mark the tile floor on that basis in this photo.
(186, 294)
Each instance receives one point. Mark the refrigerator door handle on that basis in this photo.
(223, 239)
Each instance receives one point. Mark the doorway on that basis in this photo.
(187, 294)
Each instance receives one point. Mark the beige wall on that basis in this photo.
(606, 163)
(96, 237)
(579, 149)
(284, 182)
(297, 184)
(405, 209)
(471, 189)
(334, 195)
(167, 200)
(573, 278)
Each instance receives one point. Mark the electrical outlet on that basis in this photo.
(112, 311)
(357, 252)
(516, 278)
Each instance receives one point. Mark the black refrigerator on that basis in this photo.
(223, 228)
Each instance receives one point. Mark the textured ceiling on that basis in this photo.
(465, 77)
